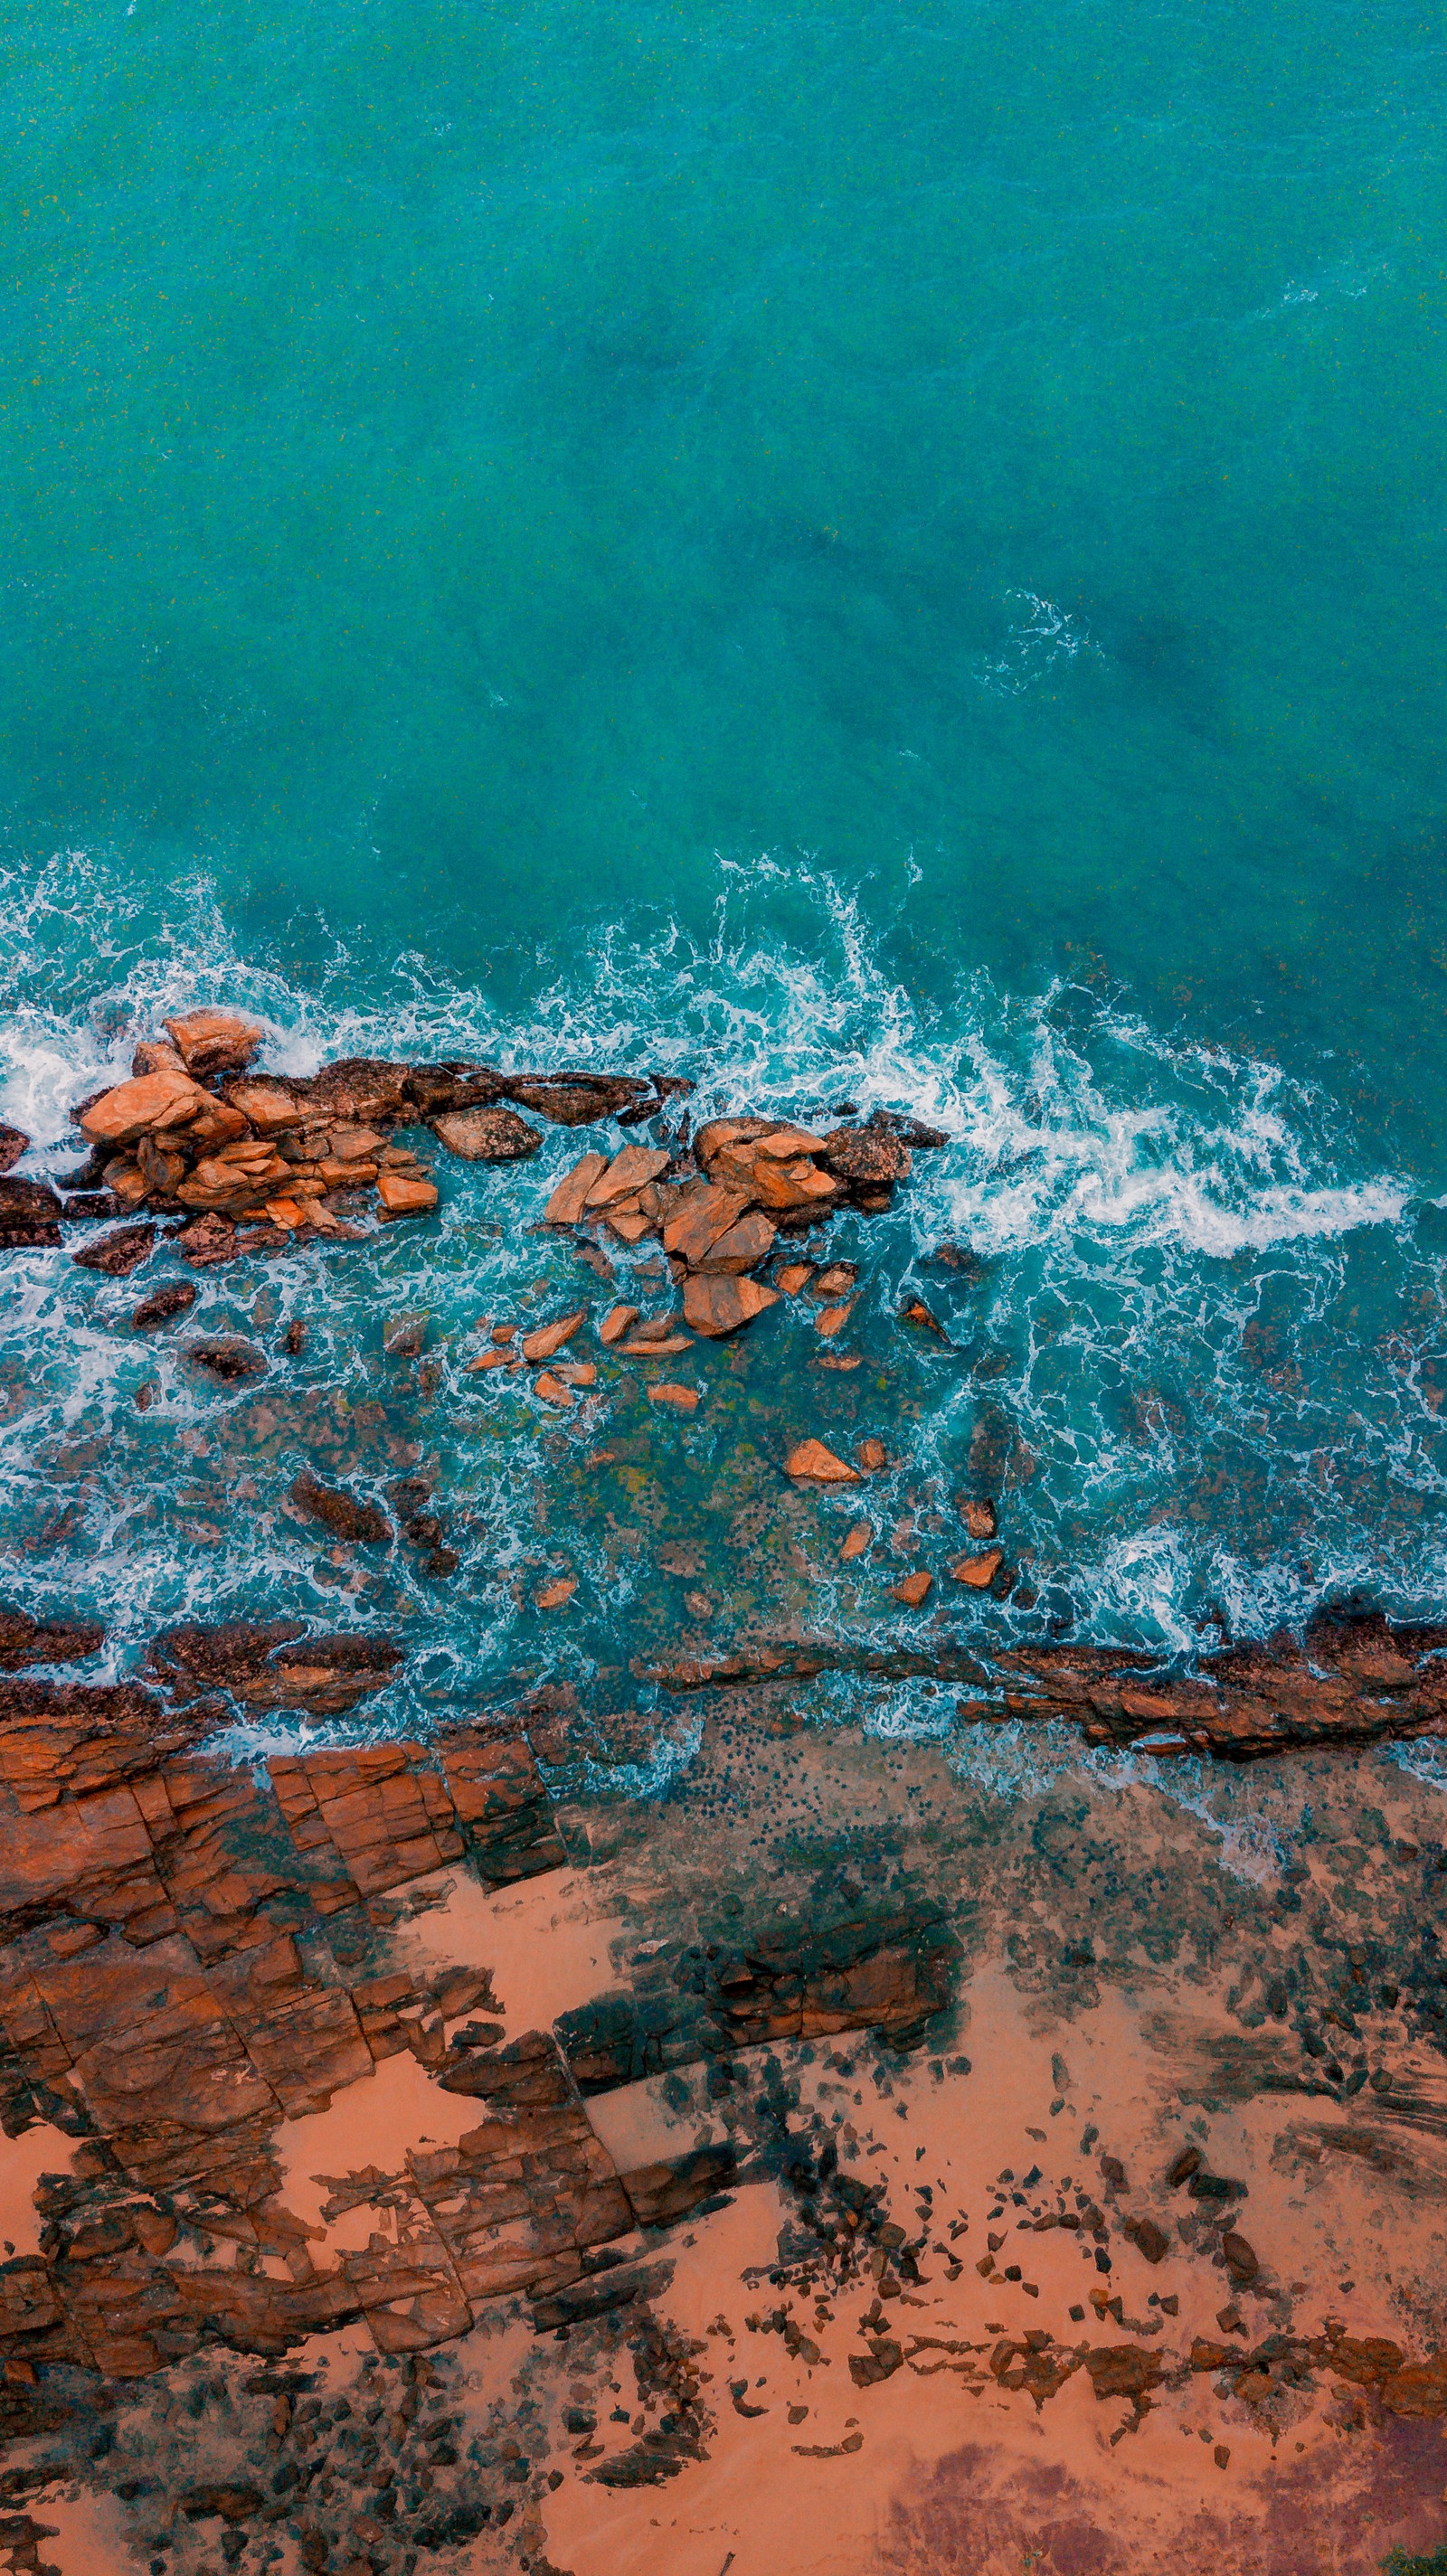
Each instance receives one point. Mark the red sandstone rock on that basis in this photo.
(810, 1462)
(154, 1102)
(551, 1337)
(405, 1194)
(566, 1205)
(743, 1246)
(913, 1589)
(977, 1571)
(211, 1042)
(683, 1399)
(618, 1321)
(717, 1305)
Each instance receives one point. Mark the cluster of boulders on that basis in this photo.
(250, 1161)
(719, 1205)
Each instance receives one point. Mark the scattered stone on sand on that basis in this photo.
(162, 1304)
(1150, 2239)
(493, 1135)
(553, 1595)
(912, 1589)
(30, 1216)
(978, 1514)
(342, 1513)
(13, 1143)
(618, 1321)
(857, 1540)
(551, 1337)
(810, 1462)
(720, 1304)
(1240, 2257)
(119, 1252)
(684, 1399)
(977, 1571)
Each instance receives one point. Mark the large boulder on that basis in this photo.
(486, 1135)
(210, 1042)
(13, 1143)
(147, 1105)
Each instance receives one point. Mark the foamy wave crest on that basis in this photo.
(1192, 1356)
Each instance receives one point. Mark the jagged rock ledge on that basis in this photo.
(1354, 1678)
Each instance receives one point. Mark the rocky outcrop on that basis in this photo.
(1353, 1678)
(719, 1207)
(687, 2004)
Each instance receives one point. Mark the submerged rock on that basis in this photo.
(30, 1216)
(119, 1253)
(340, 1512)
(228, 1357)
(162, 1304)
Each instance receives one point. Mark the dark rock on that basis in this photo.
(340, 1512)
(1241, 2258)
(273, 1665)
(293, 1340)
(1151, 2240)
(1188, 2161)
(453, 1085)
(83, 1207)
(13, 1143)
(228, 1357)
(206, 1240)
(868, 1158)
(162, 1304)
(118, 1253)
(578, 1099)
(490, 1135)
(661, 2193)
(24, 1640)
(30, 1216)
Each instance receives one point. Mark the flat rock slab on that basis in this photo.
(495, 1135)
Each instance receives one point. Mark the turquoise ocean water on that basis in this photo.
(887, 552)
